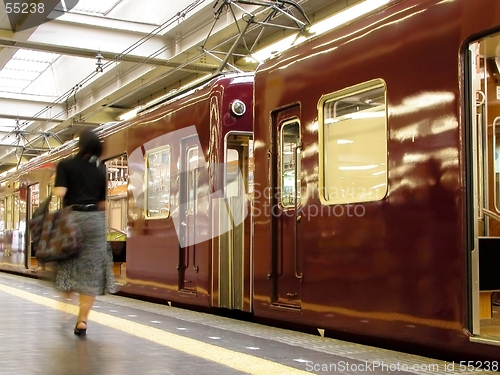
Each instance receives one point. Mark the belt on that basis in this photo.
(85, 207)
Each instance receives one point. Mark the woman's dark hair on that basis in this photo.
(89, 144)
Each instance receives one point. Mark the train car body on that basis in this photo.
(158, 264)
(372, 197)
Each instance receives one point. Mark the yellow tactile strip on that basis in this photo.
(235, 360)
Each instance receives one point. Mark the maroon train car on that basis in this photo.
(181, 155)
(376, 209)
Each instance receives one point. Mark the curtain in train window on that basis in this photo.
(158, 183)
(289, 139)
(353, 141)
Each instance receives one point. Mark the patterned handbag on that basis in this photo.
(56, 235)
(36, 224)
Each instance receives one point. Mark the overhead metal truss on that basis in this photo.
(265, 15)
(24, 146)
(270, 11)
(249, 16)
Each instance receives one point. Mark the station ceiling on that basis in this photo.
(82, 63)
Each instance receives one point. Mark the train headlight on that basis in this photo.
(238, 108)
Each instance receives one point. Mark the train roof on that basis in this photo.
(303, 40)
(191, 89)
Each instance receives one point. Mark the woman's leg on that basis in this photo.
(86, 303)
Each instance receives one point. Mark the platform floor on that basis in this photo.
(15, 263)
(130, 337)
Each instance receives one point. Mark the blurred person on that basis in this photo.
(81, 182)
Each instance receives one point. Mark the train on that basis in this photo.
(357, 192)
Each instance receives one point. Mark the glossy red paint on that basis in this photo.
(154, 258)
(397, 272)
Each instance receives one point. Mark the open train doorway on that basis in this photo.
(484, 202)
(232, 258)
(33, 201)
(116, 210)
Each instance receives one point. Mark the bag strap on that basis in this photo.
(44, 206)
(54, 218)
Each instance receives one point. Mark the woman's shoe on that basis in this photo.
(80, 331)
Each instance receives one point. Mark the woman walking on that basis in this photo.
(82, 184)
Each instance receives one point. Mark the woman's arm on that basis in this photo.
(59, 191)
(61, 181)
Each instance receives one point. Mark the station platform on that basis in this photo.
(130, 337)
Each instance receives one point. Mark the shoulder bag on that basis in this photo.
(56, 236)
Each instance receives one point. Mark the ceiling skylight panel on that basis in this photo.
(9, 125)
(35, 56)
(27, 66)
(13, 83)
(18, 74)
(95, 7)
(7, 122)
(23, 68)
(10, 89)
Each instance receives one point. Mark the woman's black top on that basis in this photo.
(86, 182)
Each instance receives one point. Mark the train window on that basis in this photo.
(55, 202)
(239, 147)
(232, 164)
(289, 167)
(17, 208)
(2, 214)
(35, 197)
(192, 182)
(19, 212)
(158, 183)
(353, 144)
(8, 213)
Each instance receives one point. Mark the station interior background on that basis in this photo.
(92, 62)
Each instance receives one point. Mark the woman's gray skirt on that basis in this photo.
(91, 272)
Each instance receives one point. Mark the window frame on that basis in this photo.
(192, 181)
(292, 121)
(337, 96)
(248, 188)
(147, 215)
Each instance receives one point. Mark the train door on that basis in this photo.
(285, 210)
(116, 208)
(33, 201)
(188, 268)
(231, 250)
(484, 201)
